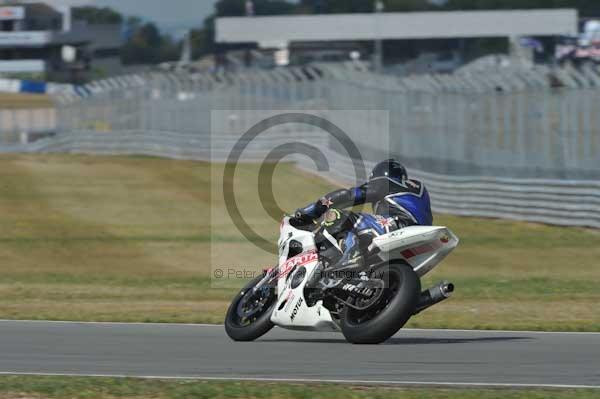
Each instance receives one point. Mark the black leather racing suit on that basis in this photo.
(396, 204)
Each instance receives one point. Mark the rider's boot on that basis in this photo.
(330, 275)
(352, 258)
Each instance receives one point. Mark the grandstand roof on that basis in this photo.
(412, 25)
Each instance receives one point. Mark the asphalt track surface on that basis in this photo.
(412, 357)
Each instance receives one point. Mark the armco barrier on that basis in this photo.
(518, 144)
(558, 202)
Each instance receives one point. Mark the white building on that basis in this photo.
(283, 32)
(37, 38)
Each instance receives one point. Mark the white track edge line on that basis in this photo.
(117, 323)
(110, 323)
(316, 380)
(504, 331)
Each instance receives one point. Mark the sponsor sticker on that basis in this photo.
(296, 309)
(298, 260)
(289, 300)
(327, 202)
(422, 249)
(412, 184)
(331, 216)
(384, 222)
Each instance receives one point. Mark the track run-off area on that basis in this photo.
(411, 357)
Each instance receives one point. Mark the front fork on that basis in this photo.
(270, 276)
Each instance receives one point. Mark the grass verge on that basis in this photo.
(24, 101)
(139, 239)
(17, 387)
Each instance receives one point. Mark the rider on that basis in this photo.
(397, 202)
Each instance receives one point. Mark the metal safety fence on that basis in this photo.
(522, 144)
(25, 124)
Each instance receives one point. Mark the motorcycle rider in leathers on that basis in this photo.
(397, 202)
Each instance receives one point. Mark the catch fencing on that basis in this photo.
(521, 144)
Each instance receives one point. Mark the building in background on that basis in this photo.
(440, 35)
(39, 40)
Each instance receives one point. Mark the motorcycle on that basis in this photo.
(368, 303)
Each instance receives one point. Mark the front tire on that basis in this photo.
(249, 314)
(383, 319)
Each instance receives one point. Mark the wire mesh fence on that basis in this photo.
(542, 123)
(22, 125)
(522, 144)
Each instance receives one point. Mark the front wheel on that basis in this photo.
(249, 314)
(390, 313)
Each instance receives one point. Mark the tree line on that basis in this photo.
(145, 43)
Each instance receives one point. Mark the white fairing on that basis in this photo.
(422, 247)
(291, 310)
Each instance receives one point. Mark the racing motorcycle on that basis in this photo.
(368, 303)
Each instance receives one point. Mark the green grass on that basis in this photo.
(14, 387)
(24, 101)
(137, 238)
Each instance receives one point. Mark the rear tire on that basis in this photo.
(388, 315)
(240, 328)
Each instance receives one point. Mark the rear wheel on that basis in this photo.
(249, 314)
(390, 313)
